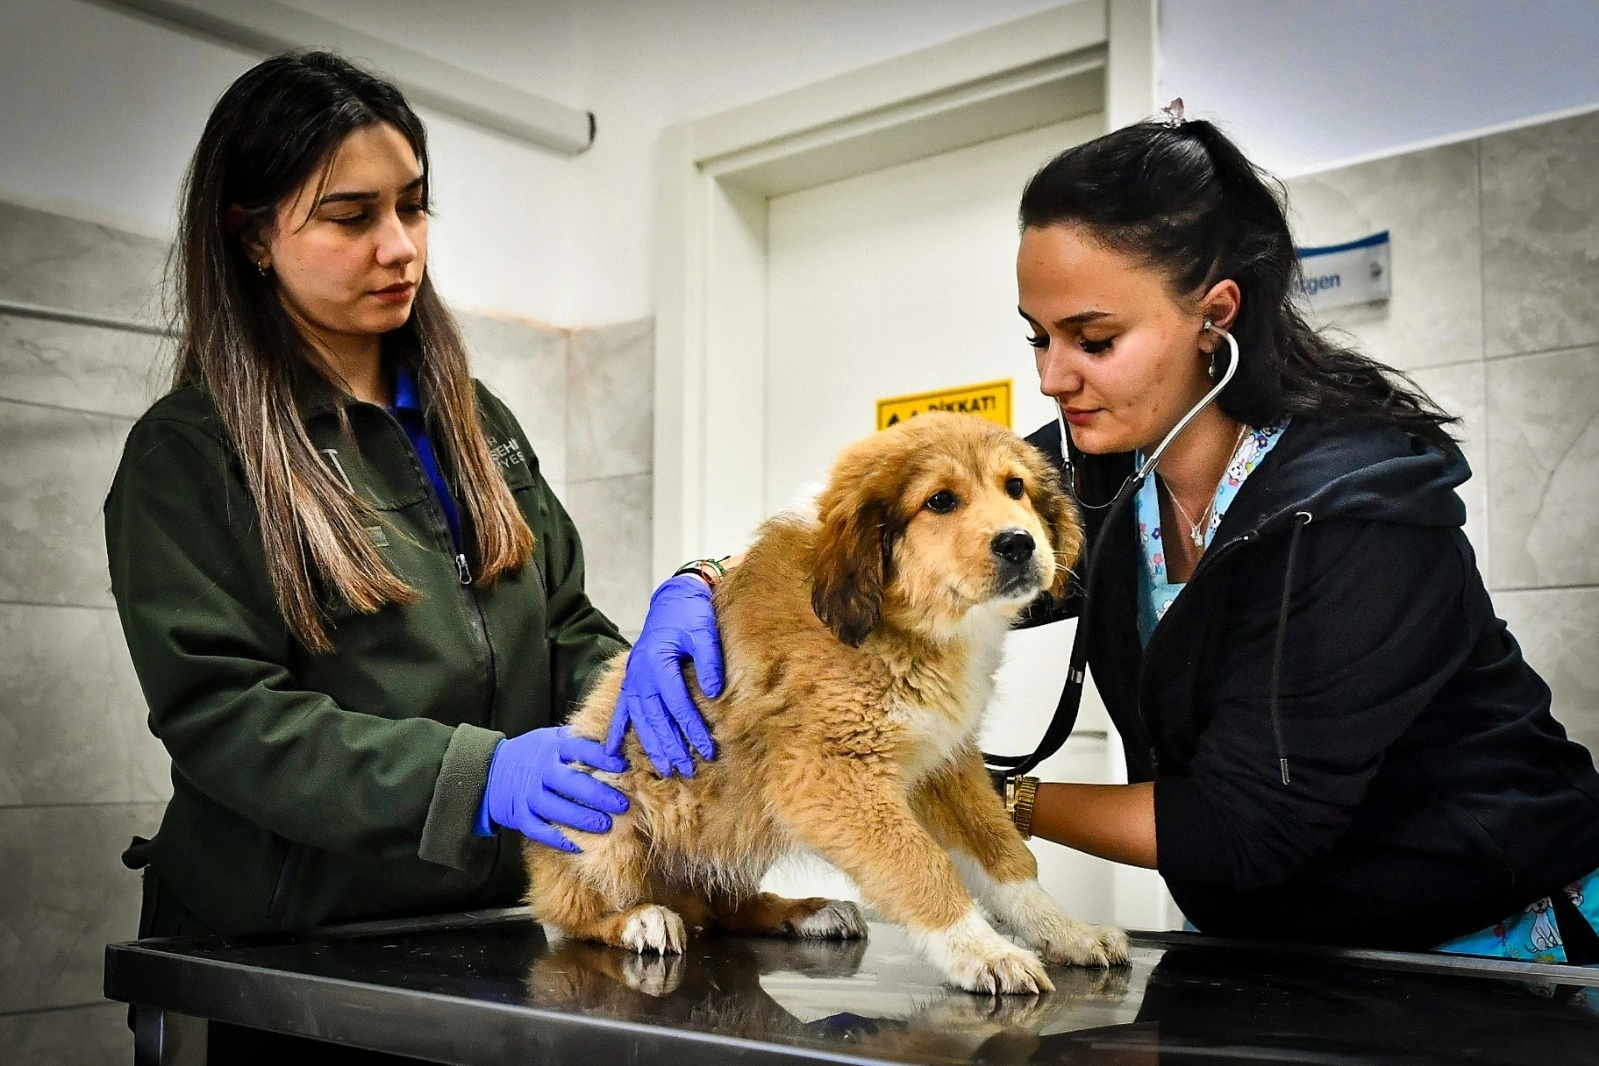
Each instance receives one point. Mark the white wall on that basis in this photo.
(102, 108)
(1304, 85)
(641, 66)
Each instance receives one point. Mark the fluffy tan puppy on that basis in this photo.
(860, 649)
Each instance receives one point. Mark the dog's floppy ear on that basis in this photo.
(1059, 515)
(855, 555)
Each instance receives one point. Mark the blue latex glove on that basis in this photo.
(533, 787)
(680, 626)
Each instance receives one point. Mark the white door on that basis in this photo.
(900, 281)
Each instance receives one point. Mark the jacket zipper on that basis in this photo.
(463, 569)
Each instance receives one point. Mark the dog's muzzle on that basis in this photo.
(1016, 571)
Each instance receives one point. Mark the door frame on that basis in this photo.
(717, 173)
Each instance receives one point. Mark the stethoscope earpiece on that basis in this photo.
(1071, 694)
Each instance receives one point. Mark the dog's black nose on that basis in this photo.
(1013, 545)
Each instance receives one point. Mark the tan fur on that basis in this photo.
(860, 649)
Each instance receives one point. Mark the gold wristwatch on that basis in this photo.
(1019, 795)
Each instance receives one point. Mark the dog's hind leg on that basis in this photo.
(563, 893)
(765, 914)
(961, 810)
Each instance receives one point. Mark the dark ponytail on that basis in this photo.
(1186, 202)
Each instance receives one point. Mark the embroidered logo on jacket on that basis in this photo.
(507, 454)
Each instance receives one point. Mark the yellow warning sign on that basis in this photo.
(990, 400)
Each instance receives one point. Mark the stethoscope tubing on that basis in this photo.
(1071, 696)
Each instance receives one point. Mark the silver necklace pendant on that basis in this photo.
(1196, 536)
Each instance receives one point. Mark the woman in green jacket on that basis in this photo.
(343, 581)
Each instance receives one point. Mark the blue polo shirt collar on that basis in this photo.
(407, 410)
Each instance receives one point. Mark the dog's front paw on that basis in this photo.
(838, 920)
(1080, 944)
(974, 957)
(1060, 938)
(1010, 970)
(654, 928)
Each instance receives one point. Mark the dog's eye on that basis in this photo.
(1014, 487)
(942, 502)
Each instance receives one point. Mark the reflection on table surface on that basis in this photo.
(879, 1000)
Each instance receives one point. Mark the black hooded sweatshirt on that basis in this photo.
(1429, 792)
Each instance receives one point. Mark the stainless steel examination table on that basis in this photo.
(487, 987)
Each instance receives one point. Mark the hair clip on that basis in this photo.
(1174, 113)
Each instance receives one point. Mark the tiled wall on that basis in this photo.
(79, 772)
(610, 425)
(1495, 312)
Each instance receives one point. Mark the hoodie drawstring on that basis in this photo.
(1301, 520)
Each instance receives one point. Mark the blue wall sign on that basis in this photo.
(1336, 275)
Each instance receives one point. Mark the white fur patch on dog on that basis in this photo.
(654, 928)
(936, 736)
(839, 920)
(974, 957)
(1028, 911)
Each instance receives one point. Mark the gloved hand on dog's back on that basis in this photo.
(533, 788)
(680, 627)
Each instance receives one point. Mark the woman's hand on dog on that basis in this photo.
(533, 787)
(680, 628)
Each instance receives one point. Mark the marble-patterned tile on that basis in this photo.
(1428, 201)
(55, 261)
(1543, 461)
(612, 516)
(58, 467)
(610, 407)
(86, 368)
(66, 895)
(1540, 221)
(1558, 630)
(525, 365)
(76, 1036)
(72, 717)
(1461, 391)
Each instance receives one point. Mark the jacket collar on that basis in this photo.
(1339, 470)
(315, 395)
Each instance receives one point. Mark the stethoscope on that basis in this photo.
(1004, 767)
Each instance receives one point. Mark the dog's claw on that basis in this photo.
(654, 928)
(1088, 945)
(1020, 973)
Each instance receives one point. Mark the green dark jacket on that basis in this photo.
(311, 789)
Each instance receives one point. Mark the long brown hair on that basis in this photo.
(270, 131)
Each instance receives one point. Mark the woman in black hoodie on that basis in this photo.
(1330, 737)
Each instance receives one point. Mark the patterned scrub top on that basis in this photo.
(1155, 593)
